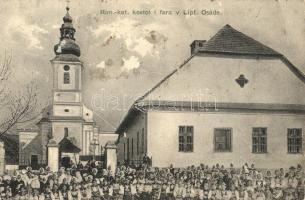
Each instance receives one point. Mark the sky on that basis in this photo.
(126, 55)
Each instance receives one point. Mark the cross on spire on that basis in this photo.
(67, 5)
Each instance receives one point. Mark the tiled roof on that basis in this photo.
(229, 40)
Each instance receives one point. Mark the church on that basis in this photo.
(234, 100)
(66, 121)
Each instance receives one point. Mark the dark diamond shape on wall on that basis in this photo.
(242, 81)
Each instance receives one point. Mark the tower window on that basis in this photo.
(66, 78)
(66, 67)
(66, 110)
(66, 130)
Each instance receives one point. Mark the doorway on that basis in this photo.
(34, 162)
(65, 162)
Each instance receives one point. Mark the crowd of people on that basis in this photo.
(91, 181)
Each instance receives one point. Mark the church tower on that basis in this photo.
(66, 122)
(67, 116)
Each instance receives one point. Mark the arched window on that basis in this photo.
(66, 74)
(66, 78)
(66, 132)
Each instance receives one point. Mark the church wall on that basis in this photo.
(90, 136)
(87, 137)
(67, 110)
(67, 97)
(75, 130)
(25, 137)
(29, 144)
(74, 71)
(162, 137)
(137, 126)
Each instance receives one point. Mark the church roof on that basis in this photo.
(229, 40)
(67, 146)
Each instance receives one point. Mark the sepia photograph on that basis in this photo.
(152, 100)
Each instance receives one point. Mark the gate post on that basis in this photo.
(2, 158)
(111, 156)
(53, 155)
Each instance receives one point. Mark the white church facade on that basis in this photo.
(234, 100)
(67, 121)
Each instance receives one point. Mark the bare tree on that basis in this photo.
(15, 107)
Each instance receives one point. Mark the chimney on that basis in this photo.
(197, 45)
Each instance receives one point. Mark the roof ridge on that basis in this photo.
(230, 40)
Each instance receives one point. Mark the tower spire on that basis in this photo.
(67, 43)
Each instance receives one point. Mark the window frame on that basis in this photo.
(252, 137)
(231, 140)
(301, 137)
(187, 147)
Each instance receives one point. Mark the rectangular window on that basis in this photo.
(259, 140)
(186, 138)
(66, 78)
(138, 135)
(294, 139)
(223, 139)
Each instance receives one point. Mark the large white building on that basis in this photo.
(234, 100)
(67, 120)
